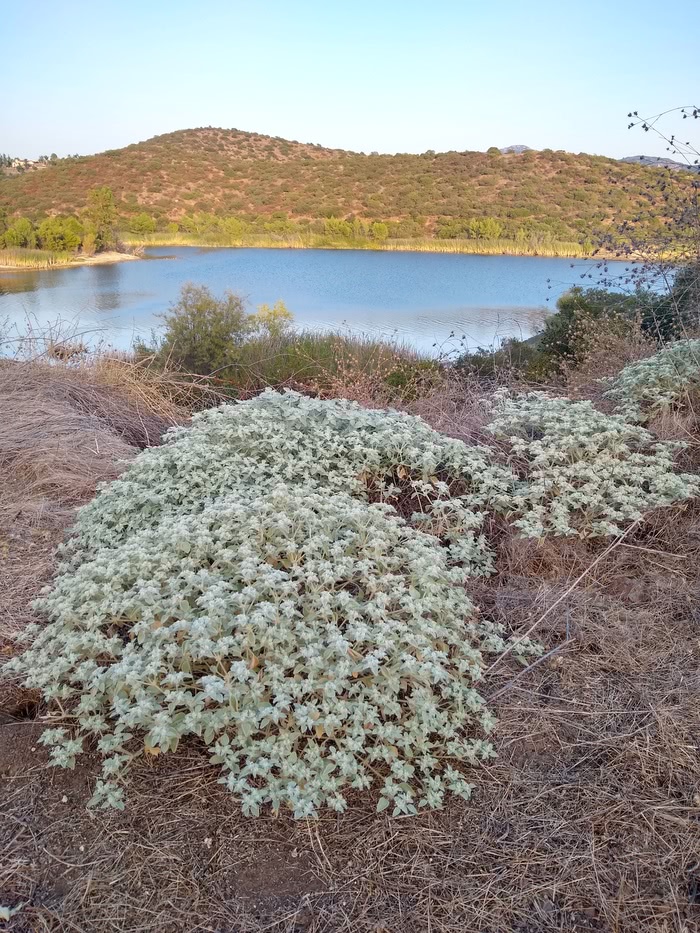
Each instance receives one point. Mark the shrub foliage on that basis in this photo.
(581, 472)
(658, 383)
(284, 580)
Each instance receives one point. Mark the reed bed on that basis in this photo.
(21, 258)
(483, 247)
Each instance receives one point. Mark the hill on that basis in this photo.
(233, 173)
(660, 162)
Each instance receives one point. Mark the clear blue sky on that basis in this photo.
(390, 75)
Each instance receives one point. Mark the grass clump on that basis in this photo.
(21, 258)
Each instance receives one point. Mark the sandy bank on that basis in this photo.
(99, 258)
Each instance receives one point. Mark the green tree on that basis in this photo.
(379, 230)
(202, 331)
(20, 233)
(485, 228)
(142, 224)
(578, 307)
(101, 216)
(234, 227)
(60, 233)
(336, 227)
(275, 320)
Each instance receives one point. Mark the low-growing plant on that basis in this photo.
(284, 579)
(582, 472)
(316, 643)
(254, 582)
(337, 445)
(659, 383)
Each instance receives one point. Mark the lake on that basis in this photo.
(433, 301)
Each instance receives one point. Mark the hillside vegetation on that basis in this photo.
(183, 181)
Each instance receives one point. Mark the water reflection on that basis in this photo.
(105, 281)
(12, 283)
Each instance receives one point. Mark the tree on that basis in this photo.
(60, 233)
(101, 215)
(274, 320)
(20, 233)
(566, 333)
(485, 228)
(202, 331)
(338, 228)
(142, 224)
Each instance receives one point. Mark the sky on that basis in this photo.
(384, 75)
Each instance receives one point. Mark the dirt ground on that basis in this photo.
(588, 821)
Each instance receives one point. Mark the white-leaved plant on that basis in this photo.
(657, 383)
(316, 643)
(284, 579)
(581, 472)
(337, 445)
(253, 583)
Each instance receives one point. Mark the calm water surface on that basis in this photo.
(433, 301)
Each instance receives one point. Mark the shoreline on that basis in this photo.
(436, 247)
(98, 259)
(431, 246)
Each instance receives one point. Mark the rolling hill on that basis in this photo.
(230, 172)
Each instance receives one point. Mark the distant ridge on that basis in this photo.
(660, 162)
(274, 182)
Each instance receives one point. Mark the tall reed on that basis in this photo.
(484, 247)
(21, 258)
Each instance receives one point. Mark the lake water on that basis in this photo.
(433, 301)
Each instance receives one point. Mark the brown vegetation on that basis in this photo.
(588, 822)
(234, 173)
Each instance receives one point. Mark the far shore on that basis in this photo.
(473, 248)
(97, 259)
(559, 250)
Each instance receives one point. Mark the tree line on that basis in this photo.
(96, 227)
(93, 231)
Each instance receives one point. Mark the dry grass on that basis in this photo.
(588, 822)
(603, 348)
(64, 430)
